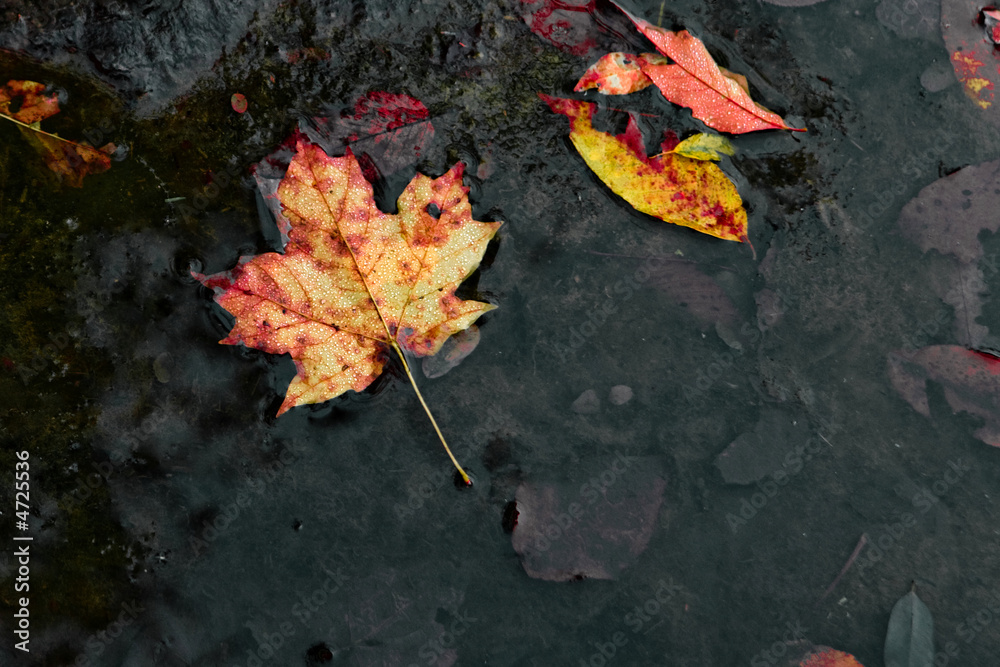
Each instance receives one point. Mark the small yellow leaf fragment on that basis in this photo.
(977, 88)
(704, 147)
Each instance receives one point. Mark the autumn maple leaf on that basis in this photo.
(70, 160)
(354, 281)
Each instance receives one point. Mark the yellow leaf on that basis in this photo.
(704, 147)
(674, 188)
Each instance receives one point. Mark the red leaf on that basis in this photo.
(392, 129)
(566, 24)
(971, 382)
(618, 73)
(715, 96)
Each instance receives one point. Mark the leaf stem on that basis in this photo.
(38, 130)
(413, 382)
(850, 561)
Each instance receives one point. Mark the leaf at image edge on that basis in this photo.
(909, 641)
(69, 160)
(718, 97)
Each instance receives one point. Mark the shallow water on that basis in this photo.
(215, 534)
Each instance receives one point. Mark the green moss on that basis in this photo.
(46, 377)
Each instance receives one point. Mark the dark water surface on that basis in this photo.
(176, 521)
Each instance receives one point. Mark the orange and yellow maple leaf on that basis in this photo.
(354, 281)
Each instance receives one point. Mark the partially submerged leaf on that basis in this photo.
(568, 25)
(385, 131)
(715, 96)
(592, 526)
(674, 188)
(698, 293)
(354, 281)
(578, 27)
(971, 382)
(71, 161)
(948, 216)
(762, 451)
(451, 354)
(909, 641)
(704, 147)
(973, 56)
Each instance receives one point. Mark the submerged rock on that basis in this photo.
(591, 526)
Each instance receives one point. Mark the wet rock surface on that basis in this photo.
(151, 52)
(179, 522)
